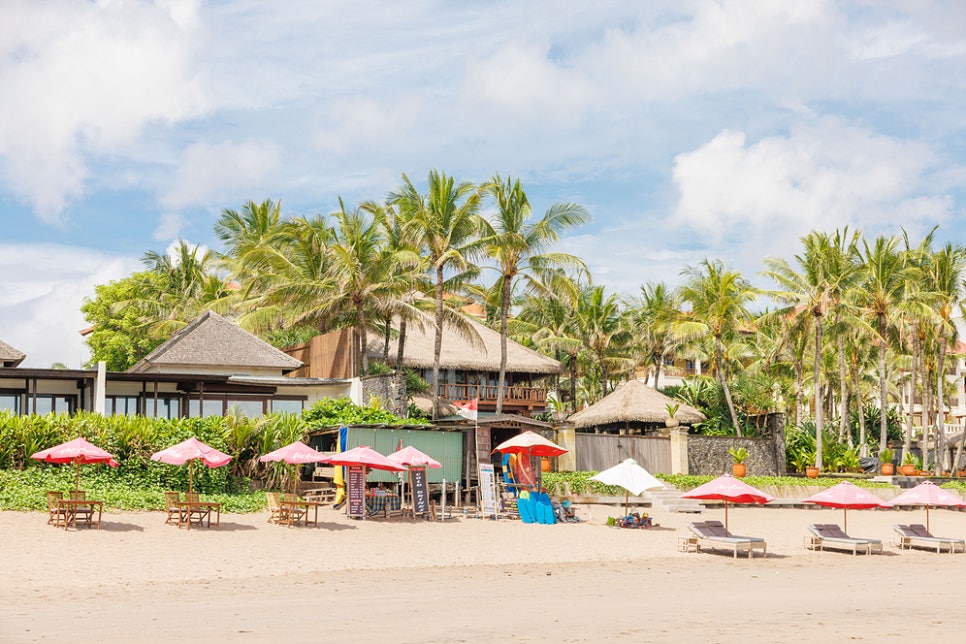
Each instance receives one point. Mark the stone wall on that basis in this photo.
(709, 455)
(390, 389)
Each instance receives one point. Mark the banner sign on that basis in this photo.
(356, 485)
(487, 491)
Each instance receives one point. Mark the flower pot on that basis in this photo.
(739, 470)
(671, 422)
(888, 469)
(545, 464)
(811, 472)
(907, 470)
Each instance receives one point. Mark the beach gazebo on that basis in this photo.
(634, 406)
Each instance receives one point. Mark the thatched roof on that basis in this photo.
(479, 352)
(634, 402)
(10, 357)
(213, 341)
(424, 403)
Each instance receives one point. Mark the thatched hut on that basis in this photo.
(634, 408)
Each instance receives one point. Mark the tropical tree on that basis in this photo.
(519, 246)
(718, 299)
(446, 220)
(602, 327)
(654, 321)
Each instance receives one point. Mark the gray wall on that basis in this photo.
(390, 389)
(709, 455)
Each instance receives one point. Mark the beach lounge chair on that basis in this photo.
(57, 514)
(713, 535)
(916, 535)
(829, 536)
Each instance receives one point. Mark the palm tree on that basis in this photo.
(718, 300)
(602, 327)
(887, 275)
(655, 318)
(254, 226)
(446, 221)
(518, 246)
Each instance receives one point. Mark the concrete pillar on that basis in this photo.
(679, 450)
(567, 438)
(100, 399)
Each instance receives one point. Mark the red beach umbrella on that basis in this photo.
(366, 457)
(411, 456)
(297, 453)
(530, 443)
(77, 451)
(730, 490)
(928, 493)
(847, 496)
(188, 452)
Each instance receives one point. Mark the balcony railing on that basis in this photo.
(529, 396)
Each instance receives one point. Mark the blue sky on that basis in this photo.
(687, 129)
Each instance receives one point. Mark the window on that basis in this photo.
(247, 407)
(121, 406)
(289, 406)
(166, 407)
(51, 403)
(10, 402)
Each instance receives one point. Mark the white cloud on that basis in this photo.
(85, 79)
(169, 226)
(219, 171)
(41, 294)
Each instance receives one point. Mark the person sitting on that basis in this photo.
(569, 515)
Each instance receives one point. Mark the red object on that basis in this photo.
(928, 493)
(188, 452)
(296, 453)
(730, 490)
(366, 457)
(468, 409)
(847, 496)
(77, 451)
(409, 455)
(530, 443)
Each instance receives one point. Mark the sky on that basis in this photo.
(688, 130)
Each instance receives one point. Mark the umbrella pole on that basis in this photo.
(845, 520)
(726, 515)
(626, 506)
(191, 465)
(927, 517)
(77, 478)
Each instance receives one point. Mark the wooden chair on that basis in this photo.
(195, 512)
(81, 512)
(274, 507)
(294, 513)
(57, 514)
(171, 501)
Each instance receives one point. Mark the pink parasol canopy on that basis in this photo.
(77, 451)
(297, 453)
(411, 456)
(730, 490)
(847, 496)
(365, 456)
(530, 443)
(928, 493)
(188, 452)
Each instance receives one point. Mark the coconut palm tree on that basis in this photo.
(718, 299)
(446, 219)
(519, 248)
(600, 323)
(654, 321)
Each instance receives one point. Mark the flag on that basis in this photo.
(467, 409)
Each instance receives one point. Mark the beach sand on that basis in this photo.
(471, 580)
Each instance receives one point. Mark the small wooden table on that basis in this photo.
(289, 508)
(187, 507)
(70, 510)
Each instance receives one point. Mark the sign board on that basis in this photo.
(487, 491)
(356, 486)
(483, 444)
(420, 489)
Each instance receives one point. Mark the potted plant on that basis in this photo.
(738, 454)
(909, 464)
(885, 456)
(672, 408)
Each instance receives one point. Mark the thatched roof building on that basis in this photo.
(634, 402)
(10, 357)
(477, 350)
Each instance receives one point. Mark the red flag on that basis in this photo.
(467, 409)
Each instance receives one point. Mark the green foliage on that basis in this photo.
(379, 369)
(290, 336)
(672, 408)
(738, 454)
(415, 384)
(886, 455)
(800, 450)
(872, 418)
(343, 412)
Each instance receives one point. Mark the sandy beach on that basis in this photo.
(470, 580)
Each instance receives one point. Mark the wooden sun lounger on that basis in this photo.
(916, 535)
(712, 534)
(829, 536)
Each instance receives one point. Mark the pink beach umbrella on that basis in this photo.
(412, 457)
(730, 490)
(847, 496)
(188, 452)
(366, 457)
(928, 493)
(297, 453)
(77, 451)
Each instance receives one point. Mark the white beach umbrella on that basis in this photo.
(630, 476)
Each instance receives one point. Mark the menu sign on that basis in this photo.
(483, 443)
(420, 490)
(356, 484)
(487, 492)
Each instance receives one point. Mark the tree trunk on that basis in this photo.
(603, 374)
(438, 344)
(860, 408)
(911, 417)
(719, 369)
(573, 383)
(799, 388)
(504, 315)
(361, 321)
(385, 339)
(817, 385)
(659, 362)
(401, 348)
(843, 392)
(940, 399)
(883, 400)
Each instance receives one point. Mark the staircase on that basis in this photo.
(670, 500)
